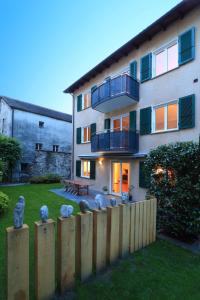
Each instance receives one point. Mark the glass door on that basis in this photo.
(120, 177)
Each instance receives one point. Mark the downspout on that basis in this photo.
(12, 129)
(73, 111)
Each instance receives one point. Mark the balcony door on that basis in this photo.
(120, 123)
(120, 177)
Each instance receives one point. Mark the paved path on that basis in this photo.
(90, 198)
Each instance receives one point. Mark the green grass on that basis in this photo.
(35, 196)
(161, 271)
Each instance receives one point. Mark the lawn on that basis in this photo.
(35, 196)
(160, 271)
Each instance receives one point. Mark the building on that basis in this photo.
(145, 94)
(45, 136)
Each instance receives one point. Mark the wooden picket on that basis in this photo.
(85, 243)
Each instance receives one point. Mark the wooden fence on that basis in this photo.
(86, 244)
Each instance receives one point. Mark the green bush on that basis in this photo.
(175, 182)
(48, 178)
(4, 201)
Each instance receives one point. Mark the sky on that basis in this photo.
(46, 45)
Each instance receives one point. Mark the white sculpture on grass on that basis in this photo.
(84, 206)
(66, 210)
(99, 201)
(19, 213)
(125, 197)
(44, 213)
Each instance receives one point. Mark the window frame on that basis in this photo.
(120, 117)
(82, 134)
(38, 148)
(165, 105)
(90, 99)
(55, 148)
(88, 169)
(164, 48)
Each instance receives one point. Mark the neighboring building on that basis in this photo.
(44, 134)
(145, 94)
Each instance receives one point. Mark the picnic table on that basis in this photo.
(78, 185)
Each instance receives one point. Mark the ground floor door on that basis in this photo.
(120, 177)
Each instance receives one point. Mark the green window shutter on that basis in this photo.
(78, 135)
(92, 169)
(93, 88)
(144, 180)
(78, 168)
(133, 69)
(79, 103)
(146, 67)
(93, 129)
(107, 124)
(186, 42)
(187, 112)
(145, 121)
(132, 118)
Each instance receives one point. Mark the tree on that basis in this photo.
(10, 153)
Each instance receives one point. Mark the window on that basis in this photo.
(166, 58)
(41, 124)
(55, 148)
(120, 123)
(85, 168)
(24, 167)
(38, 146)
(86, 101)
(165, 117)
(85, 134)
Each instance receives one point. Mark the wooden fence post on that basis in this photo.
(112, 234)
(45, 259)
(17, 263)
(124, 230)
(84, 245)
(132, 227)
(99, 239)
(66, 253)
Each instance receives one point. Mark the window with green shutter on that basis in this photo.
(79, 103)
(133, 69)
(186, 46)
(78, 135)
(93, 129)
(78, 168)
(145, 121)
(107, 124)
(146, 67)
(132, 118)
(92, 169)
(143, 177)
(187, 112)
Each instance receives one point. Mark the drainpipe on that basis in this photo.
(12, 129)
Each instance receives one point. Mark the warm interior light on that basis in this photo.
(101, 161)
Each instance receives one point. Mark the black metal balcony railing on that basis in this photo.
(118, 86)
(119, 141)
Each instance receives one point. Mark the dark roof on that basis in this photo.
(177, 12)
(35, 109)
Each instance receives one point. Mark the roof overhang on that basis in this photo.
(113, 155)
(177, 12)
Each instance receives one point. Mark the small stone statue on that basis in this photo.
(113, 202)
(99, 201)
(84, 206)
(44, 213)
(125, 197)
(66, 210)
(19, 213)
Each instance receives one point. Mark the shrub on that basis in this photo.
(175, 181)
(48, 178)
(4, 201)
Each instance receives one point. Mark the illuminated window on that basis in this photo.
(166, 58)
(85, 168)
(85, 138)
(86, 101)
(165, 117)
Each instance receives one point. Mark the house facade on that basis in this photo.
(145, 94)
(45, 136)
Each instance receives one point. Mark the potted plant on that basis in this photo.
(131, 187)
(105, 190)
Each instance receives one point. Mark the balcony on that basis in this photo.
(125, 141)
(115, 94)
